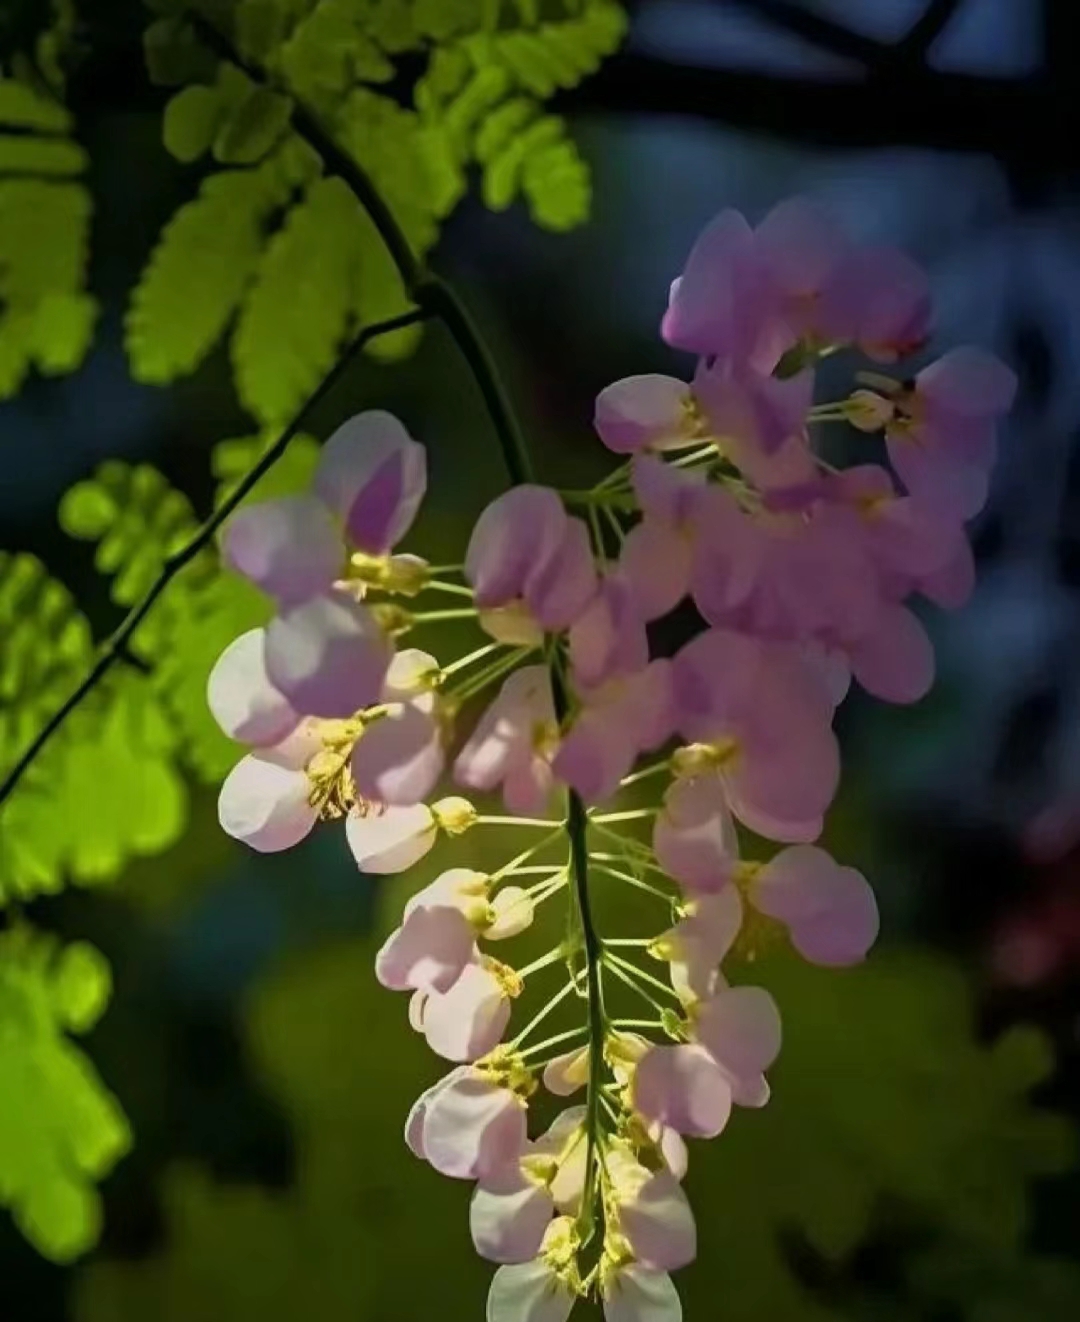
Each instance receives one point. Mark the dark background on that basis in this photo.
(266, 1077)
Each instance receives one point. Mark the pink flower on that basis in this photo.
(512, 743)
(683, 1088)
(694, 836)
(618, 721)
(766, 713)
(526, 555)
(699, 941)
(740, 1029)
(802, 247)
(754, 415)
(468, 1127)
(530, 1292)
(829, 910)
(328, 656)
(241, 698)
(399, 756)
(291, 547)
(634, 1293)
(508, 1216)
(608, 639)
(941, 439)
(369, 483)
(878, 299)
(724, 304)
(265, 800)
(648, 412)
(390, 839)
(653, 1213)
(373, 475)
(658, 553)
(428, 952)
(468, 1020)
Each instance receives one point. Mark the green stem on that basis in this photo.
(555, 1041)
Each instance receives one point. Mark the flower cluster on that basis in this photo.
(799, 575)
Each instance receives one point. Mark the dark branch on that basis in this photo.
(117, 647)
(1020, 121)
(815, 28)
(926, 29)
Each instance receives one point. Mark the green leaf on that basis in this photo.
(61, 1130)
(198, 273)
(23, 106)
(191, 122)
(298, 309)
(253, 128)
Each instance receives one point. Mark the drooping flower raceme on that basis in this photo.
(804, 575)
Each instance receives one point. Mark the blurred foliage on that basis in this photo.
(47, 318)
(288, 258)
(60, 1128)
(111, 784)
(884, 1107)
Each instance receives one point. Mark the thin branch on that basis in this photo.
(822, 32)
(1010, 119)
(116, 648)
(931, 23)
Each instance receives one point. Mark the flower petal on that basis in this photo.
(515, 537)
(529, 1292)
(399, 756)
(328, 656)
(373, 475)
(635, 1294)
(241, 698)
(659, 1224)
(642, 412)
(684, 1088)
(386, 840)
(427, 952)
(740, 1028)
(289, 547)
(265, 803)
(467, 1021)
(509, 1225)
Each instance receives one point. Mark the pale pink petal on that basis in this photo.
(642, 412)
(528, 1292)
(289, 547)
(502, 738)
(941, 480)
(568, 1073)
(515, 536)
(801, 244)
(596, 754)
(895, 662)
(328, 656)
(469, 1020)
(752, 413)
(508, 1223)
(951, 585)
(665, 492)
(830, 910)
(684, 1088)
(879, 298)
(462, 888)
(528, 787)
(373, 475)
(782, 778)
(558, 591)
(241, 698)
(740, 1028)
(266, 804)
(473, 1127)
(694, 835)
(609, 638)
(427, 952)
(674, 1151)
(414, 1122)
(698, 942)
(399, 756)
(716, 307)
(656, 562)
(636, 1294)
(512, 912)
(970, 382)
(410, 674)
(386, 840)
(659, 1224)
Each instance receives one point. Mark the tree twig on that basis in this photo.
(822, 32)
(116, 648)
